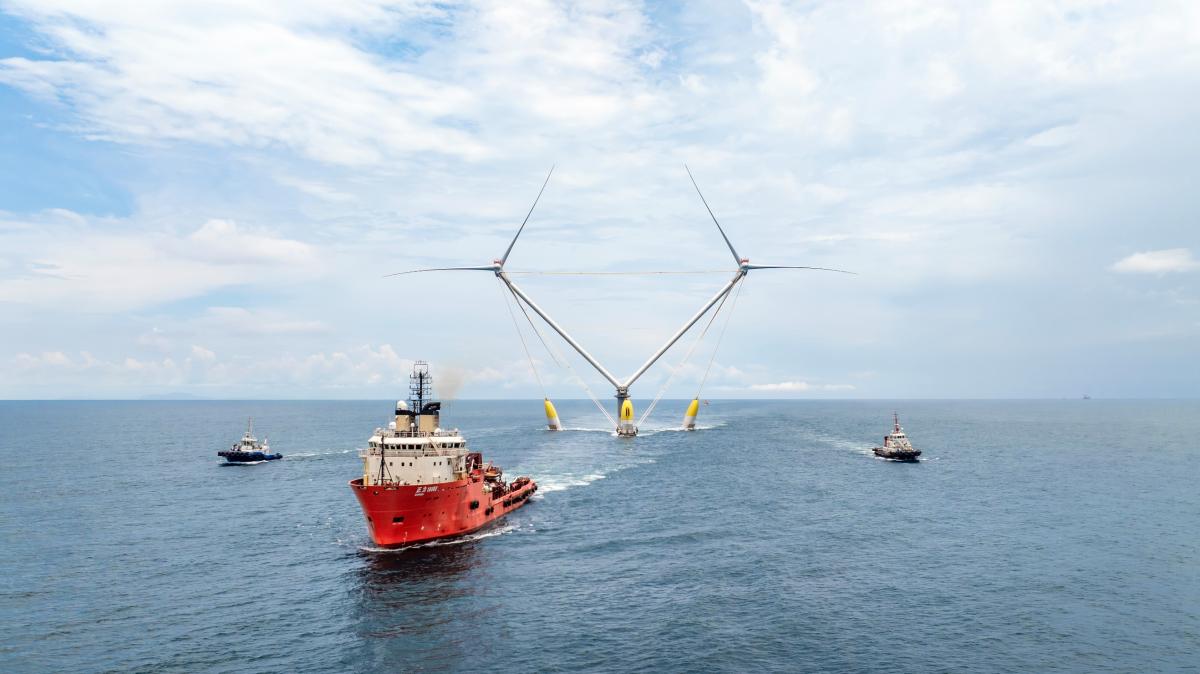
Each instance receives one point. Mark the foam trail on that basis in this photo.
(309, 455)
(554, 483)
(646, 430)
(469, 538)
(679, 429)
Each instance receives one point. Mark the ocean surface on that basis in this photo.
(1036, 536)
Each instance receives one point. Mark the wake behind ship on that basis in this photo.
(421, 482)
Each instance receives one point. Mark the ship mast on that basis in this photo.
(420, 386)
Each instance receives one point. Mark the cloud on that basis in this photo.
(280, 156)
(55, 359)
(358, 368)
(1157, 262)
(299, 76)
(249, 74)
(241, 321)
(93, 270)
(155, 338)
(220, 242)
(366, 369)
(799, 387)
(202, 354)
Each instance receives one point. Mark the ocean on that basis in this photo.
(1038, 536)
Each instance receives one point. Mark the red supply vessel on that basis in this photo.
(421, 482)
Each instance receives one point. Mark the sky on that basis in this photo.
(205, 198)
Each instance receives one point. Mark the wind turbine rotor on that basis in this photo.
(749, 266)
(504, 259)
(736, 258)
(497, 265)
(626, 425)
(417, 271)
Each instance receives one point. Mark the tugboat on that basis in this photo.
(896, 445)
(421, 482)
(249, 450)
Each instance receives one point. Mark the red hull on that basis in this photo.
(399, 515)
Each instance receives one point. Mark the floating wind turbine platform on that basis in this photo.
(625, 423)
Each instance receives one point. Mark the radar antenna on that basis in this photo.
(420, 386)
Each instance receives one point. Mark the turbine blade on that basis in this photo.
(784, 266)
(522, 228)
(418, 271)
(736, 258)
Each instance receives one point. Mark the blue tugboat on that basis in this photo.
(249, 450)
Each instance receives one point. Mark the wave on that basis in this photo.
(680, 429)
(309, 455)
(553, 483)
(549, 483)
(647, 430)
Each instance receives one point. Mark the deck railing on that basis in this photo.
(395, 433)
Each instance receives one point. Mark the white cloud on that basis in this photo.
(155, 338)
(799, 387)
(783, 386)
(202, 354)
(25, 361)
(945, 150)
(359, 368)
(91, 269)
(220, 242)
(1157, 262)
(272, 74)
(241, 321)
(246, 74)
(315, 188)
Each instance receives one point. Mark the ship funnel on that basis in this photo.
(552, 421)
(689, 419)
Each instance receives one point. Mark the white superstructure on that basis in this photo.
(414, 449)
(414, 456)
(897, 440)
(249, 443)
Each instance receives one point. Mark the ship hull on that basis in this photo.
(904, 457)
(401, 515)
(248, 457)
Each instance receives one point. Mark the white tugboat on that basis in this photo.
(249, 449)
(896, 445)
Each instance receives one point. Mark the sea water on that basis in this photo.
(1032, 536)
